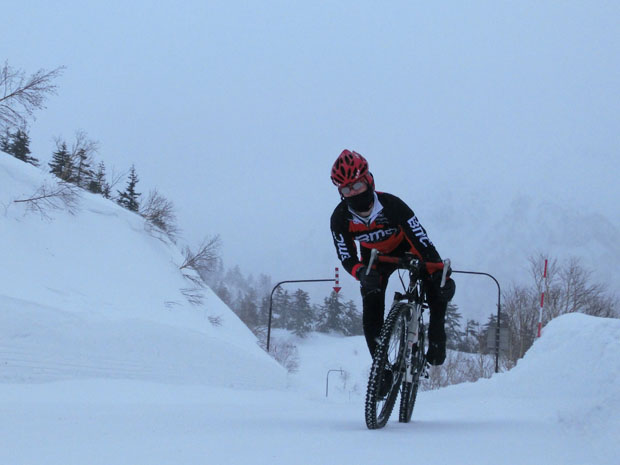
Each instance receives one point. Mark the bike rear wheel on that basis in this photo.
(410, 389)
(390, 354)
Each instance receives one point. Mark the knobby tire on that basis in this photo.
(390, 349)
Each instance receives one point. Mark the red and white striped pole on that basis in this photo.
(542, 300)
(337, 286)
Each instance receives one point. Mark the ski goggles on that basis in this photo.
(356, 186)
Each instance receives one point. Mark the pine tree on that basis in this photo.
(489, 327)
(263, 311)
(301, 317)
(353, 320)
(332, 315)
(471, 340)
(83, 172)
(98, 183)
(129, 198)
(234, 277)
(18, 145)
(62, 164)
(4, 141)
(246, 308)
(264, 284)
(454, 334)
(281, 309)
(224, 294)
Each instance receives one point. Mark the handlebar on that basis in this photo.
(409, 262)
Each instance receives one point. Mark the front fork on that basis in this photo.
(413, 328)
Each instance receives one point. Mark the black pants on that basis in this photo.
(374, 309)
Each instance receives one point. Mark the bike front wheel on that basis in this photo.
(389, 354)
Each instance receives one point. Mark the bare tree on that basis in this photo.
(113, 180)
(459, 367)
(569, 288)
(205, 257)
(58, 196)
(520, 310)
(284, 352)
(576, 292)
(21, 95)
(160, 212)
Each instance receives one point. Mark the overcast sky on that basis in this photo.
(236, 110)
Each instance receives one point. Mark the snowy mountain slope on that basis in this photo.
(98, 294)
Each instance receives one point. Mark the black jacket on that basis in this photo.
(392, 228)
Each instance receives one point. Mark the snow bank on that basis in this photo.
(570, 379)
(98, 294)
(318, 354)
(574, 371)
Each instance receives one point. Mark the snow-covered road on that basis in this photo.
(519, 417)
(129, 422)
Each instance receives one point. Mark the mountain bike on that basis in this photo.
(401, 344)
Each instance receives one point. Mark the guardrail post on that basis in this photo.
(499, 306)
(271, 299)
(327, 380)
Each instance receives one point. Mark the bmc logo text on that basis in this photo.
(419, 232)
(343, 251)
(376, 236)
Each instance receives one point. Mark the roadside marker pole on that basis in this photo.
(542, 300)
(337, 286)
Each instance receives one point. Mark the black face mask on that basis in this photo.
(361, 202)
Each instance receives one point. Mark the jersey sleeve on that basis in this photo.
(344, 243)
(416, 234)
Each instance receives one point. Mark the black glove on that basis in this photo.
(446, 292)
(370, 282)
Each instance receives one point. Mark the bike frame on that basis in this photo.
(414, 297)
(416, 301)
(401, 335)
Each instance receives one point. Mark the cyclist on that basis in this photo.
(383, 221)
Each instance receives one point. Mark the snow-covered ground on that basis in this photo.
(100, 294)
(104, 361)
(559, 406)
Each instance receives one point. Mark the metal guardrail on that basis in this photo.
(271, 300)
(327, 380)
(499, 306)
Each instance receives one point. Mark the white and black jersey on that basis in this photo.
(392, 228)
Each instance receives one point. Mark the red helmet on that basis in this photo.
(350, 167)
